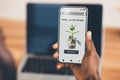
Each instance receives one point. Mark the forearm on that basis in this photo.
(86, 76)
(95, 76)
(92, 78)
(89, 78)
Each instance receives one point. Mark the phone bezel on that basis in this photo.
(79, 62)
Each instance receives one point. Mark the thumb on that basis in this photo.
(89, 42)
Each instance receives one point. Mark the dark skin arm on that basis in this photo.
(88, 70)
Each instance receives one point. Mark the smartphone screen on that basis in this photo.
(72, 31)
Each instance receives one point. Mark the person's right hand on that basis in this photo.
(88, 70)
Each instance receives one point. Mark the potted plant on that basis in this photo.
(71, 38)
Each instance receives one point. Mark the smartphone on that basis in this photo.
(73, 22)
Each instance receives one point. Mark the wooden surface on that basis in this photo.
(14, 32)
(111, 56)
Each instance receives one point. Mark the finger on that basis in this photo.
(89, 42)
(60, 65)
(55, 55)
(55, 46)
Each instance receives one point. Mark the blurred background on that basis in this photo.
(13, 24)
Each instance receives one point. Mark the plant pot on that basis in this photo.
(72, 43)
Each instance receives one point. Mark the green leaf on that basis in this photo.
(75, 32)
(69, 32)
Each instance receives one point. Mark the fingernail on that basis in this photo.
(58, 66)
(53, 46)
(89, 35)
(55, 55)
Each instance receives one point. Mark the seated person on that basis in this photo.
(7, 66)
(88, 70)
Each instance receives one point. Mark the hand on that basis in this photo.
(88, 70)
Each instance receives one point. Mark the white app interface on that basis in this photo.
(73, 24)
